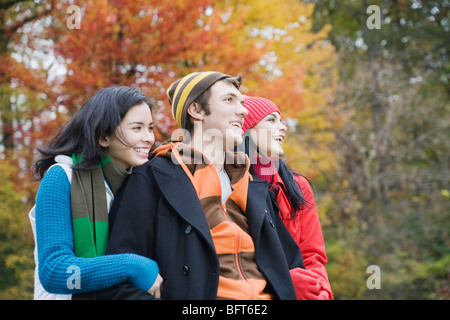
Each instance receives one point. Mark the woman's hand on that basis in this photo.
(156, 288)
(305, 284)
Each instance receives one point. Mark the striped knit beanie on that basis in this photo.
(186, 90)
(257, 108)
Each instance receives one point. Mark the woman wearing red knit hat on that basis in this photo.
(264, 135)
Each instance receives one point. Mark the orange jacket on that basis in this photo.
(240, 277)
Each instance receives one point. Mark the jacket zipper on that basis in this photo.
(236, 231)
(238, 239)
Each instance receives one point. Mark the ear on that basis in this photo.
(104, 141)
(195, 111)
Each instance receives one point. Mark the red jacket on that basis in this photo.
(306, 231)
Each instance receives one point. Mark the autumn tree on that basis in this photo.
(22, 92)
(145, 44)
(390, 193)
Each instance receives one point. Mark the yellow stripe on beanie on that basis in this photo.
(186, 92)
(179, 85)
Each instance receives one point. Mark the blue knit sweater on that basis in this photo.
(57, 261)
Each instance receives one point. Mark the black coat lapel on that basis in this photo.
(180, 193)
(256, 206)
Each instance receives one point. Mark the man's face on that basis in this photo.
(226, 115)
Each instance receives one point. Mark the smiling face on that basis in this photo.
(226, 114)
(131, 143)
(269, 134)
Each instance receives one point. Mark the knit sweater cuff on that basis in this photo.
(142, 272)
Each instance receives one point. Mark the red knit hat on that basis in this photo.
(257, 108)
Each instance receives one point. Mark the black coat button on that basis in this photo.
(185, 270)
(188, 229)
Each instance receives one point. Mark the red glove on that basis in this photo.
(324, 290)
(305, 284)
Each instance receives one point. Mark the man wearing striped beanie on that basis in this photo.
(195, 88)
(209, 106)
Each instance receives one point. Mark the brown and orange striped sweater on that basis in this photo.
(239, 277)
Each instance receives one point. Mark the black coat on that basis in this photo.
(157, 214)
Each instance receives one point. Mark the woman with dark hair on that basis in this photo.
(80, 171)
(291, 193)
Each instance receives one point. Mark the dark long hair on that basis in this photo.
(98, 117)
(291, 188)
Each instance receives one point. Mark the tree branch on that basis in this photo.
(35, 16)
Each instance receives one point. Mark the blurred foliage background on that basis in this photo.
(367, 110)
